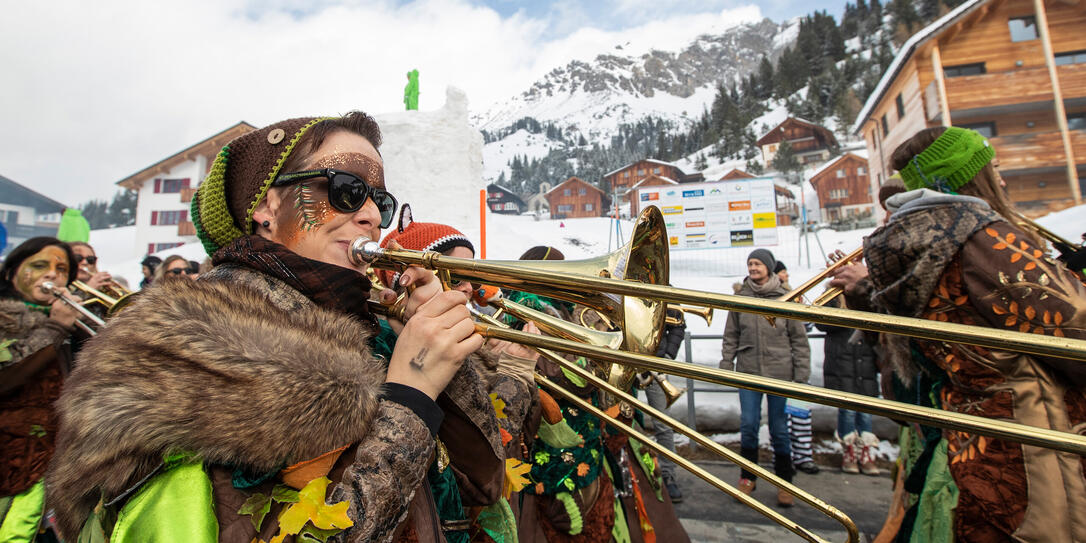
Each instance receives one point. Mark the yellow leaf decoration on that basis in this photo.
(499, 406)
(515, 476)
(312, 508)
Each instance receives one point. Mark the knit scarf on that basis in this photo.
(329, 286)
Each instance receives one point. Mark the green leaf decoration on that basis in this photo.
(5, 354)
(284, 494)
(37, 430)
(258, 505)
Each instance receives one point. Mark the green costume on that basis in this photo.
(411, 91)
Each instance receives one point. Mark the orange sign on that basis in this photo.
(695, 224)
(741, 205)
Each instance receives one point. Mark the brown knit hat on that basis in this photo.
(222, 209)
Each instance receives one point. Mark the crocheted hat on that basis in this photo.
(222, 208)
(949, 162)
(421, 236)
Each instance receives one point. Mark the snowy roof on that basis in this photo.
(15, 194)
(212, 144)
(831, 163)
(654, 178)
(800, 120)
(590, 185)
(652, 160)
(906, 52)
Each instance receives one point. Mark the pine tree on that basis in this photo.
(785, 160)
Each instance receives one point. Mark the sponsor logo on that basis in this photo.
(695, 224)
(741, 205)
(740, 220)
(691, 209)
(693, 193)
(647, 196)
(670, 193)
(762, 203)
(765, 220)
(698, 235)
(671, 224)
(672, 210)
(714, 191)
(673, 240)
(742, 238)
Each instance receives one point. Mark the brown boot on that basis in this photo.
(746, 486)
(784, 499)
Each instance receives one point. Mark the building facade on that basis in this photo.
(620, 180)
(502, 200)
(165, 191)
(844, 188)
(810, 142)
(983, 66)
(574, 198)
(26, 213)
(651, 181)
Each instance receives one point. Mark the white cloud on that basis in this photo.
(94, 91)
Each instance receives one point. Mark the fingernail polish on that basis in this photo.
(403, 280)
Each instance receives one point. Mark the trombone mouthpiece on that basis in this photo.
(47, 287)
(363, 250)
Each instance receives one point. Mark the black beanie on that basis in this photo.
(765, 257)
(779, 267)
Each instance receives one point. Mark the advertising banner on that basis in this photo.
(737, 213)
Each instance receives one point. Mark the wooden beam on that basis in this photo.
(1057, 100)
(940, 83)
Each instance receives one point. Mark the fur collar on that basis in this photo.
(216, 368)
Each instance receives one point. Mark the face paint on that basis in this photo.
(51, 263)
(356, 163)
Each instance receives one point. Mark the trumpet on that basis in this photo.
(116, 299)
(49, 288)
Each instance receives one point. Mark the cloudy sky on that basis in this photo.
(94, 91)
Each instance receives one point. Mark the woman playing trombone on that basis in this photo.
(34, 359)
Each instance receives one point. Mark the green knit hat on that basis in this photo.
(222, 209)
(949, 162)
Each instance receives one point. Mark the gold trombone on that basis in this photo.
(49, 288)
(113, 296)
(638, 304)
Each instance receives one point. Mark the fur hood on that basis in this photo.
(221, 369)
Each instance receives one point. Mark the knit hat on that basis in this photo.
(421, 236)
(949, 162)
(222, 209)
(779, 267)
(765, 257)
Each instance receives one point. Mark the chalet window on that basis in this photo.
(156, 247)
(840, 173)
(964, 69)
(900, 106)
(567, 192)
(861, 170)
(510, 206)
(159, 218)
(838, 194)
(495, 195)
(1023, 28)
(987, 130)
(885, 126)
(656, 170)
(641, 172)
(1075, 121)
(12, 217)
(582, 191)
(588, 207)
(565, 208)
(171, 185)
(1072, 57)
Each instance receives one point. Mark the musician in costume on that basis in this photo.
(35, 327)
(951, 252)
(250, 404)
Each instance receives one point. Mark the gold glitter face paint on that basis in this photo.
(357, 163)
(36, 268)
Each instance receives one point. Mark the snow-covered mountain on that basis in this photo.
(592, 99)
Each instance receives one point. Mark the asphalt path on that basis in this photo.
(710, 515)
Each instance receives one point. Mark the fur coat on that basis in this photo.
(951, 259)
(30, 382)
(246, 372)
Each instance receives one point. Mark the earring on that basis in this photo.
(265, 224)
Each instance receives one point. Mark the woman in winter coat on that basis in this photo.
(952, 252)
(849, 366)
(34, 359)
(778, 350)
(251, 404)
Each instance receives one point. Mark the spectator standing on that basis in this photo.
(778, 350)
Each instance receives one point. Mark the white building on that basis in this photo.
(26, 214)
(165, 192)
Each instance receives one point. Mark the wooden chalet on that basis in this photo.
(650, 181)
(811, 143)
(620, 180)
(502, 200)
(1011, 69)
(787, 208)
(574, 198)
(844, 188)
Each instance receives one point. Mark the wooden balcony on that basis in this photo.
(186, 195)
(186, 228)
(973, 92)
(1037, 151)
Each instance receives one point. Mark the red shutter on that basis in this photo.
(158, 186)
(185, 183)
(184, 213)
(154, 215)
(150, 248)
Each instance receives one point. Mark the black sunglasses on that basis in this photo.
(346, 191)
(90, 259)
(180, 271)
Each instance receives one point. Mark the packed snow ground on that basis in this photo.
(714, 270)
